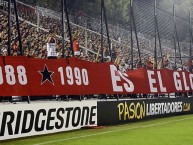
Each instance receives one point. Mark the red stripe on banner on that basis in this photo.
(20, 76)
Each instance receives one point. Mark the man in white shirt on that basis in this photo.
(51, 47)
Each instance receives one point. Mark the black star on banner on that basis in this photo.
(46, 75)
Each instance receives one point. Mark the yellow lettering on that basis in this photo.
(136, 111)
(126, 114)
(121, 109)
(143, 110)
(132, 111)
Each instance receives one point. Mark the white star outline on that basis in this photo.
(45, 66)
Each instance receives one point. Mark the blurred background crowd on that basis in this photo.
(37, 21)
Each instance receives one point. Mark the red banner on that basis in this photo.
(20, 76)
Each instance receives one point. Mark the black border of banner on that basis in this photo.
(124, 111)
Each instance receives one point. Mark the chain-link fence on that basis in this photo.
(85, 24)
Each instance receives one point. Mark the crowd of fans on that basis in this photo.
(86, 33)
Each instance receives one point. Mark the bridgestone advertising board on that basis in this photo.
(21, 120)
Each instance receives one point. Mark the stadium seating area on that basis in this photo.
(34, 35)
(35, 25)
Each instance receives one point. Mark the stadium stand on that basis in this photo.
(37, 21)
